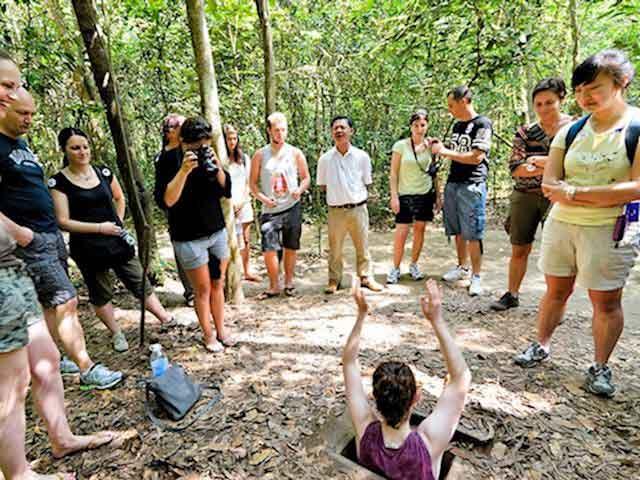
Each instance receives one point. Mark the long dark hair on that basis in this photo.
(394, 389)
(237, 155)
(64, 136)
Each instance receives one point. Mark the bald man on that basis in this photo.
(27, 350)
(25, 200)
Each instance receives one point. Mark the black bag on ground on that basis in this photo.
(176, 395)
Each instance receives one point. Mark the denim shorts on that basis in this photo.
(416, 207)
(19, 308)
(195, 253)
(46, 260)
(464, 209)
(281, 230)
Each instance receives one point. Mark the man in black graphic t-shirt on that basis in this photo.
(25, 200)
(466, 189)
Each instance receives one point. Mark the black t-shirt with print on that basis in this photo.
(473, 134)
(198, 212)
(24, 196)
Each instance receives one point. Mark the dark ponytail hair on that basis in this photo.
(394, 389)
(64, 136)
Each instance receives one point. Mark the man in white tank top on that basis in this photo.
(279, 177)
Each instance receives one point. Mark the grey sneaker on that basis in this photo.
(415, 272)
(506, 302)
(598, 381)
(120, 343)
(100, 377)
(532, 356)
(393, 276)
(456, 274)
(68, 367)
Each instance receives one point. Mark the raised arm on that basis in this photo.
(440, 426)
(357, 402)
(174, 188)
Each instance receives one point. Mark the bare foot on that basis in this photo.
(250, 277)
(80, 443)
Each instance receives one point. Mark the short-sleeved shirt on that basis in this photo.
(279, 177)
(197, 213)
(7, 246)
(530, 140)
(474, 134)
(92, 205)
(413, 177)
(345, 176)
(593, 159)
(24, 196)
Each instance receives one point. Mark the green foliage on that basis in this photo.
(373, 60)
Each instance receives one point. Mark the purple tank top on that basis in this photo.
(409, 462)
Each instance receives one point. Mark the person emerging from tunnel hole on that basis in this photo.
(388, 445)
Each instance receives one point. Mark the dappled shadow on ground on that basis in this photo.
(283, 384)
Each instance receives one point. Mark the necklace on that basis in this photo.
(80, 176)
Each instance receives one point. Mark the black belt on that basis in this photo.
(349, 205)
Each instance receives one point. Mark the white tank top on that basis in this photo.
(278, 177)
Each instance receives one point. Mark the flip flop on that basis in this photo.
(228, 341)
(214, 347)
(267, 294)
(290, 291)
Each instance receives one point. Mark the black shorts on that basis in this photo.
(416, 207)
(281, 230)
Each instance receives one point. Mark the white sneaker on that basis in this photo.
(120, 343)
(393, 276)
(415, 272)
(476, 286)
(455, 274)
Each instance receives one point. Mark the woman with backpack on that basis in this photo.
(592, 172)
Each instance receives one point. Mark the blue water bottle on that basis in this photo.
(159, 361)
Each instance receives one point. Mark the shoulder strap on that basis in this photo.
(106, 188)
(631, 138)
(164, 425)
(573, 132)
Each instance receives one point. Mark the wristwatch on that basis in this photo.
(570, 192)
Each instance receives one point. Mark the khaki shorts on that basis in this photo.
(19, 308)
(588, 253)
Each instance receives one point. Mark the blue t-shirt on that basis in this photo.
(24, 196)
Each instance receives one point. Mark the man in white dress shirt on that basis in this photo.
(344, 172)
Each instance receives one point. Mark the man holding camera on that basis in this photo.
(279, 177)
(344, 172)
(25, 201)
(190, 183)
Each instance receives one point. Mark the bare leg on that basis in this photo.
(14, 381)
(399, 240)
(246, 253)
(461, 250)
(48, 395)
(271, 262)
(64, 326)
(607, 322)
(289, 266)
(518, 267)
(475, 253)
(552, 306)
(217, 300)
(201, 282)
(106, 314)
(418, 240)
(152, 304)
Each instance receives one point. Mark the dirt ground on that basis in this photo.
(282, 385)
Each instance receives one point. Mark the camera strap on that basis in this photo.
(109, 194)
(426, 169)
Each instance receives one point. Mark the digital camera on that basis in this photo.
(205, 159)
(127, 237)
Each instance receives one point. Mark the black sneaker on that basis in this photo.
(506, 302)
(532, 356)
(598, 381)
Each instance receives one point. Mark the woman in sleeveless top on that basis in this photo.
(87, 209)
(385, 441)
(589, 179)
(239, 169)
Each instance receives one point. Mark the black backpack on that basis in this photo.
(630, 141)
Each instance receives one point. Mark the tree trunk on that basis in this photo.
(269, 60)
(210, 105)
(575, 33)
(139, 200)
